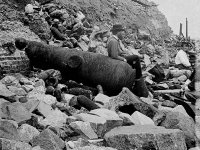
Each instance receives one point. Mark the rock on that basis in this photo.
(140, 119)
(17, 112)
(168, 103)
(50, 90)
(40, 82)
(195, 148)
(47, 140)
(127, 119)
(145, 137)
(98, 124)
(36, 148)
(128, 102)
(27, 133)
(84, 128)
(10, 80)
(8, 130)
(182, 78)
(25, 81)
(3, 110)
(111, 117)
(147, 60)
(93, 147)
(7, 144)
(45, 109)
(29, 9)
(28, 88)
(180, 109)
(71, 119)
(18, 91)
(67, 98)
(176, 120)
(5, 92)
(49, 99)
(31, 105)
(83, 45)
(55, 119)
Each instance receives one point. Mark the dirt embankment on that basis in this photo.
(130, 13)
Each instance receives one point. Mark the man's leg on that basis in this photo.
(134, 62)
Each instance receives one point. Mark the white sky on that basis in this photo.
(176, 11)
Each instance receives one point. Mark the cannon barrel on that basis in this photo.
(85, 67)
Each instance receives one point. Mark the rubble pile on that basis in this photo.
(44, 111)
(37, 113)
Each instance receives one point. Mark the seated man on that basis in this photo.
(181, 59)
(115, 52)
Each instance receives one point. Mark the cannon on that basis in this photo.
(86, 67)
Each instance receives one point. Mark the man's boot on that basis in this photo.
(140, 88)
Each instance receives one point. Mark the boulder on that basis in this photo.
(180, 109)
(84, 128)
(31, 105)
(111, 117)
(8, 130)
(93, 147)
(16, 111)
(3, 106)
(145, 137)
(7, 144)
(37, 148)
(28, 88)
(55, 119)
(101, 98)
(97, 123)
(10, 80)
(140, 119)
(5, 92)
(127, 102)
(127, 119)
(18, 91)
(29, 9)
(177, 120)
(45, 109)
(27, 133)
(47, 140)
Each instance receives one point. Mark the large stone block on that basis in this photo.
(177, 120)
(8, 130)
(6, 144)
(27, 133)
(111, 117)
(97, 123)
(84, 128)
(48, 141)
(145, 137)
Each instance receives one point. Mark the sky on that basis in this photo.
(176, 12)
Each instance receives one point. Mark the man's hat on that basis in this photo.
(117, 27)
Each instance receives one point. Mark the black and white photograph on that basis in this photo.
(99, 74)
